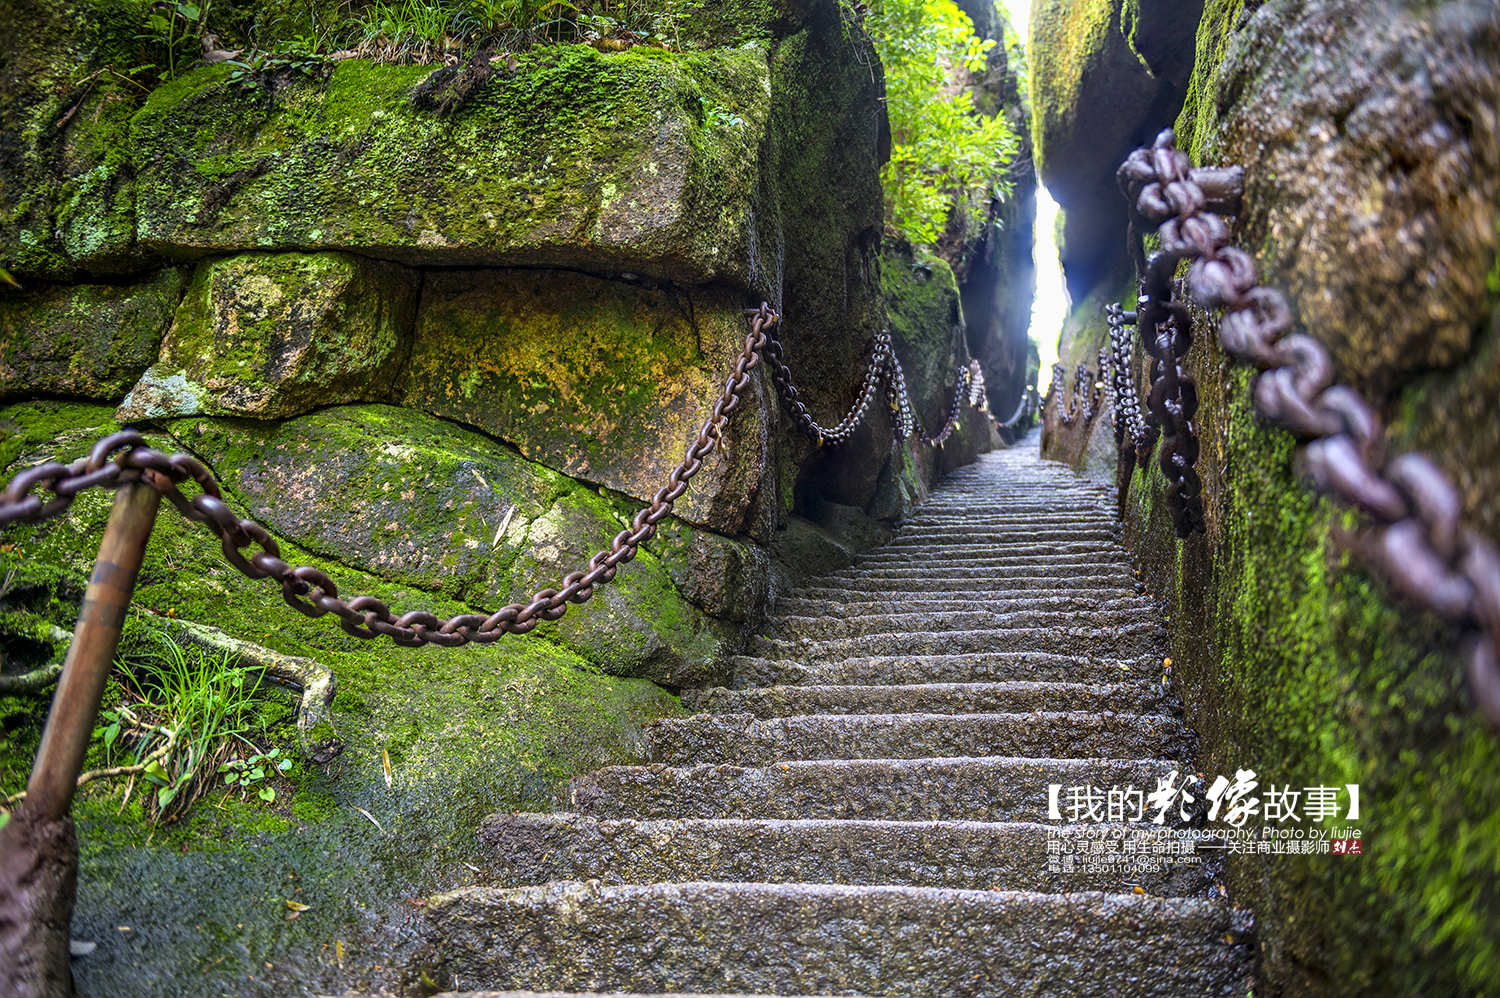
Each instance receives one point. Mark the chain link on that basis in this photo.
(124, 456)
(1417, 541)
(1029, 405)
(1087, 393)
(884, 365)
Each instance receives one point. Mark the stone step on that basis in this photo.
(930, 698)
(1017, 530)
(1125, 641)
(745, 740)
(899, 670)
(917, 599)
(983, 575)
(995, 788)
(1112, 586)
(1057, 601)
(999, 554)
(1014, 510)
(795, 628)
(801, 938)
(530, 849)
(582, 994)
(1020, 533)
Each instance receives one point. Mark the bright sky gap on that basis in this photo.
(1051, 304)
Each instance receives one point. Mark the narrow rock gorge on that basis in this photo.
(441, 292)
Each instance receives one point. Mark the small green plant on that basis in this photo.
(302, 55)
(244, 774)
(943, 149)
(177, 29)
(448, 30)
(183, 713)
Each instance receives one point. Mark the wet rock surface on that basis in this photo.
(87, 340)
(276, 335)
(889, 837)
(1367, 135)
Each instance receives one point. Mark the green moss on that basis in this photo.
(571, 151)
(1200, 109)
(1067, 40)
(470, 731)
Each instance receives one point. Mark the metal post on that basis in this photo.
(38, 848)
(75, 705)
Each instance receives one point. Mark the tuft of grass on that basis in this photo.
(184, 714)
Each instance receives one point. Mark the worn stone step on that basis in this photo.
(931, 698)
(998, 548)
(745, 740)
(1055, 601)
(584, 994)
(899, 670)
(1114, 584)
(1124, 641)
(999, 554)
(1020, 533)
(995, 788)
(1020, 529)
(800, 938)
(795, 628)
(915, 599)
(983, 575)
(529, 849)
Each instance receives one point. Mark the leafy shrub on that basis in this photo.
(943, 149)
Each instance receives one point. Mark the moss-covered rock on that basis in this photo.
(728, 579)
(66, 97)
(421, 502)
(642, 161)
(467, 731)
(1367, 136)
(1372, 162)
(90, 340)
(606, 380)
(1094, 97)
(274, 335)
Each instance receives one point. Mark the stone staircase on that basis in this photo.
(868, 815)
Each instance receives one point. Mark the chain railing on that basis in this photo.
(1418, 541)
(884, 366)
(125, 457)
(1134, 437)
(1030, 405)
(1088, 393)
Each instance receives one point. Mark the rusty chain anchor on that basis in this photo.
(1417, 542)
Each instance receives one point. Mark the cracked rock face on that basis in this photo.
(605, 380)
(1371, 147)
(91, 340)
(272, 336)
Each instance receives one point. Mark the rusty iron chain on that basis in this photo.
(1028, 406)
(1166, 332)
(1095, 397)
(884, 365)
(124, 456)
(1418, 541)
(1056, 391)
(1134, 437)
(1086, 399)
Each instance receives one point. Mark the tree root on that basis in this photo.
(316, 736)
(104, 774)
(42, 677)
